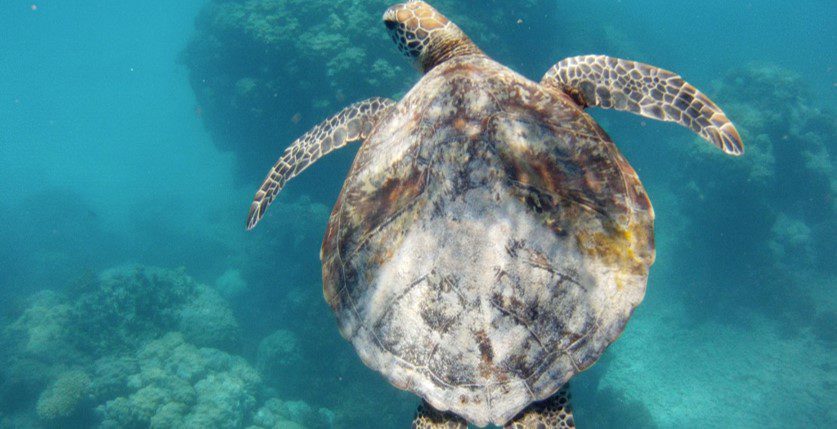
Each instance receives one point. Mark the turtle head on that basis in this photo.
(425, 35)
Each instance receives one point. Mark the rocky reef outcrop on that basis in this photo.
(138, 347)
(767, 218)
(264, 71)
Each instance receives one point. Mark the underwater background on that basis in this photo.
(133, 136)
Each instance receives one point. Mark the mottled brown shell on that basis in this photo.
(489, 243)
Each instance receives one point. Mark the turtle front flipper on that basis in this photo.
(351, 124)
(428, 417)
(553, 413)
(612, 83)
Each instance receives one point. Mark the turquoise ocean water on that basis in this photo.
(134, 134)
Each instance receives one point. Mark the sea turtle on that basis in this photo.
(490, 241)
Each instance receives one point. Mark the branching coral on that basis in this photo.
(126, 306)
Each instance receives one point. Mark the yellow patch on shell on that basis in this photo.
(619, 248)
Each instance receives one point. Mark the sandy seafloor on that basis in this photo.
(134, 134)
(721, 373)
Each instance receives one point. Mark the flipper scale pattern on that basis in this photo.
(553, 413)
(612, 83)
(353, 123)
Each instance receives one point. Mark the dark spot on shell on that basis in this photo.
(484, 343)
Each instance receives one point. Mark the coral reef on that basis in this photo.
(63, 397)
(109, 343)
(180, 385)
(42, 331)
(231, 284)
(145, 347)
(291, 415)
(37, 348)
(771, 211)
(265, 70)
(110, 376)
(126, 306)
(279, 357)
(207, 321)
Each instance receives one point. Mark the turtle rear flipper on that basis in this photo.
(612, 83)
(351, 124)
(428, 417)
(553, 413)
